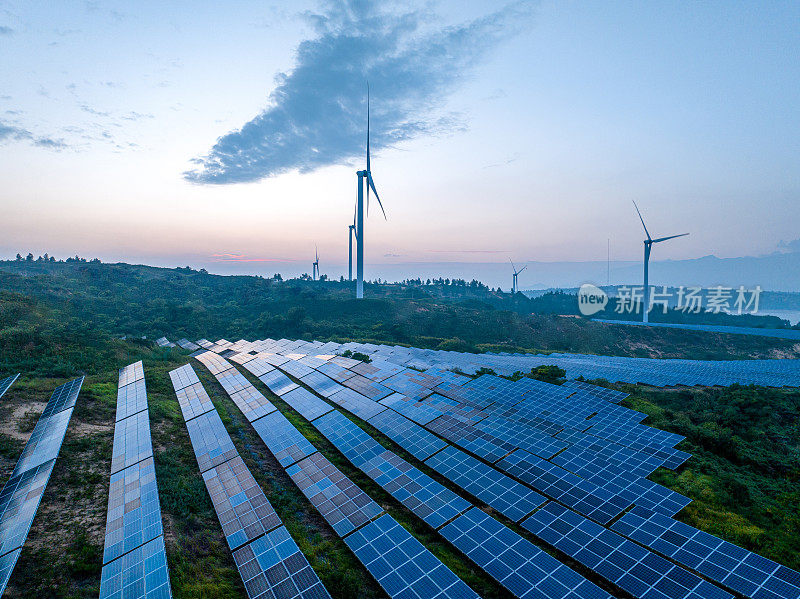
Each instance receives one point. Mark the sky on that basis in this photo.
(226, 135)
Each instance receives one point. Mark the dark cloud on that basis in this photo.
(6, 30)
(9, 133)
(316, 113)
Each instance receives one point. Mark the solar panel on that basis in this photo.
(193, 401)
(408, 435)
(306, 403)
(232, 380)
(549, 479)
(183, 377)
(402, 565)
(273, 566)
(130, 373)
(243, 510)
(367, 388)
(186, 344)
(343, 505)
(215, 364)
(7, 563)
(515, 562)
(131, 398)
(140, 573)
(134, 512)
(258, 366)
(132, 441)
(296, 369)
(356, 404)
(242, 358)
(419, 412)
(320, 383)
(4, 385)
(355, 443)
(63, 398)
(377, 370)
(611, 395)
(736, 568)
(278, 382)
(211, 442)
(252, 403)
(337, 372)
(463, 434)
(19, 501)
(428, 499)
(284, 441)
(628, 565)
(494, 488)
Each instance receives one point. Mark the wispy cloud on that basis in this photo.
(316, 113)
(4, 30)
(468, 251)
(9, 133)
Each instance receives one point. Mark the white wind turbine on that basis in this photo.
(516, 274)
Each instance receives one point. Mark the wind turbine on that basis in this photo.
(648, 245)
(315, 265)
(364, 176)
(516, 274)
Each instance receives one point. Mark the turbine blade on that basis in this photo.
(670, 237)
(523, 268)
(641, 219)
(512, 265)
(371, 184)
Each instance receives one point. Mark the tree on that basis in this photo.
(19, 258)
(29, 257)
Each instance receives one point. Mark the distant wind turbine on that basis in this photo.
(648, 245)
(363, 176)
(516, 274)
(315, 265)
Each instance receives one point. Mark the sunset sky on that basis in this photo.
(209, 133)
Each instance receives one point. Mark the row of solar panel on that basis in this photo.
(134, 556)
(410, 570)
(269, 561)
(7, 382)
(764, 580)
(22, 493)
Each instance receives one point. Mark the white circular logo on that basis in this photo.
(591, 299)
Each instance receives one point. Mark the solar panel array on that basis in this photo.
(4, 385)
(269, 561)
(573, 445)
(347, 509)
(134, 561)
(20, 497)
(164, 342)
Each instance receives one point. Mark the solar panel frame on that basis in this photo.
(7, 563)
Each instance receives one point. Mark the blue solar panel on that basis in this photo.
(193, 401)
(514, 562)
(63, 398)
(140, 573)
(211, 442)
(356, 403)
(134, 513)
(494, 488)
(4, 385)
(19, 501)
(402, 565)
(278, 383)
(420, 412)
(45, 441)
(132, 441)
(286, 443)
(273, 567)
(308, 405)
(463, 434)
(131, 398)
(628, 565)
(549, 479)
(343, 505)
(356, 445)
(408, 435)
(183, 377)
(243, 510)
(322, 384)
(736, 568)
(7, 563)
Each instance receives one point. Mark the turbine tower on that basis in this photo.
(315, 265)
(351, 230)
(516, 274)
(364, 176)
(648, 245)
